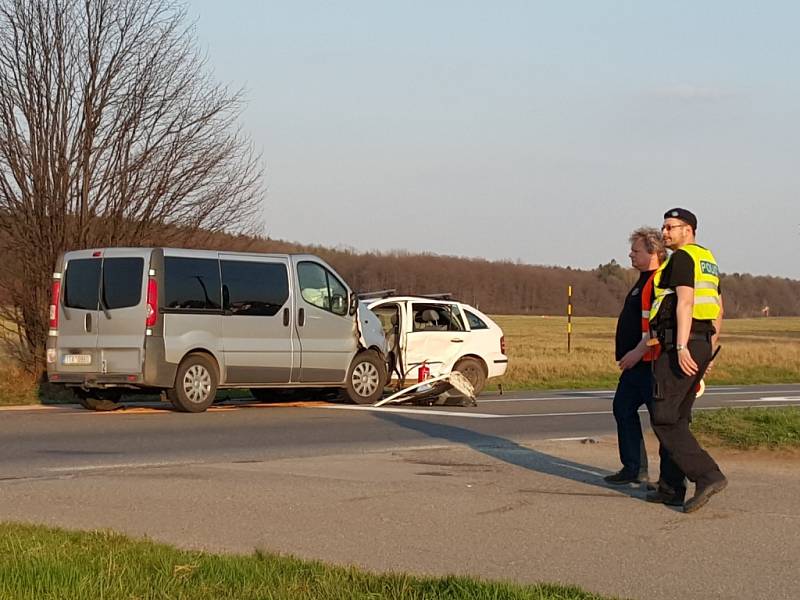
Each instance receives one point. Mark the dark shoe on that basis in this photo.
(703, 494)
(621, 478)
(665, 497)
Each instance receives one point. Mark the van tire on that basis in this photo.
(100, 401)
(195, 384)
(474, 371)
(366, 378)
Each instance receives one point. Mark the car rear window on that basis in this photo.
(122, 282)
(475, 322)
(82, 283)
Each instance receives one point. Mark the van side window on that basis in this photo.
(192, 283)
(82, 283)
(122, 282)
(321, 288)
(254, 288)
(475, 322)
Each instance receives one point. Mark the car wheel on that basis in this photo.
(366, 378)
(472, 369)
(99, 400)
(195, 384)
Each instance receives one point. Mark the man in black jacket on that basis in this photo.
(635, 387)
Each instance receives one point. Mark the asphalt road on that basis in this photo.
(37, 441)
(511, 489)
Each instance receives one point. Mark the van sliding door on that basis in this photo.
(257, 333)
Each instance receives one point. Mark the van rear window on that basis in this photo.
(122, 282)
(82, 283)
(192, 283)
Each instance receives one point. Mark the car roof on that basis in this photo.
(412, 298)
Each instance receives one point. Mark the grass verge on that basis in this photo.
(748, 428)
(39, 563)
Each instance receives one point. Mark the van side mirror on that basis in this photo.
(353, 303)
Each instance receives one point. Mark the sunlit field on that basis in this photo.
(753, 351)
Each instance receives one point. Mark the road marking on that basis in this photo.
(450, 413)
(772, 399)
(598, 397)
(416, 411)
(116, 466)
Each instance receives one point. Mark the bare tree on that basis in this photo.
(111, 133)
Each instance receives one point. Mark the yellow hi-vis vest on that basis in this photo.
(706, 284)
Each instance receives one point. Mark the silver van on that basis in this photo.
(187, 322)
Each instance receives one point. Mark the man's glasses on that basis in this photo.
(669, 228)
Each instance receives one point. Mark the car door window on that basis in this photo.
(435, 317)
(319, 287)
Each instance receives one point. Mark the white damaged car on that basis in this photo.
(445, 335)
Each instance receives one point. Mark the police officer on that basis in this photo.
(634, 356)
(686, 316)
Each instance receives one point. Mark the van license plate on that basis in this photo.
(77, 359)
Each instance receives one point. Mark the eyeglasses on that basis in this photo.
(669, 228)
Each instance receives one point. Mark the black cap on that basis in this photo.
(684, 215)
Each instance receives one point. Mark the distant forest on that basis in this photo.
(503, 287)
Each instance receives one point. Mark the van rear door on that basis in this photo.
(122, 310)
(79, 316)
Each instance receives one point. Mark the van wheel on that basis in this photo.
(195, 384)
(366, 378)
(99, 400)
(472, 369)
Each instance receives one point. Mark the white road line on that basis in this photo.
(450, 413)
(468, 415)
(727, 392)
(116, 466)
(414, 411)
(772, 399)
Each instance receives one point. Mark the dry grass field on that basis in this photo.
(753, 351)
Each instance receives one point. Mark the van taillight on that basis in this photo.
(55, 293)
(502, 344)
(152, 302)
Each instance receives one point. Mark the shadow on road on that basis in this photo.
(511, 452)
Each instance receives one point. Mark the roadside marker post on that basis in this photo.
(569, 319)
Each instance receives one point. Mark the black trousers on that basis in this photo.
(681, 454)
(635, 388)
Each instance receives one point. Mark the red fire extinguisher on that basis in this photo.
(423, 373)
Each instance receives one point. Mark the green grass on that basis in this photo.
(38, 563)
(748, 428)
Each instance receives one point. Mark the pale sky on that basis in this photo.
(542, 132)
